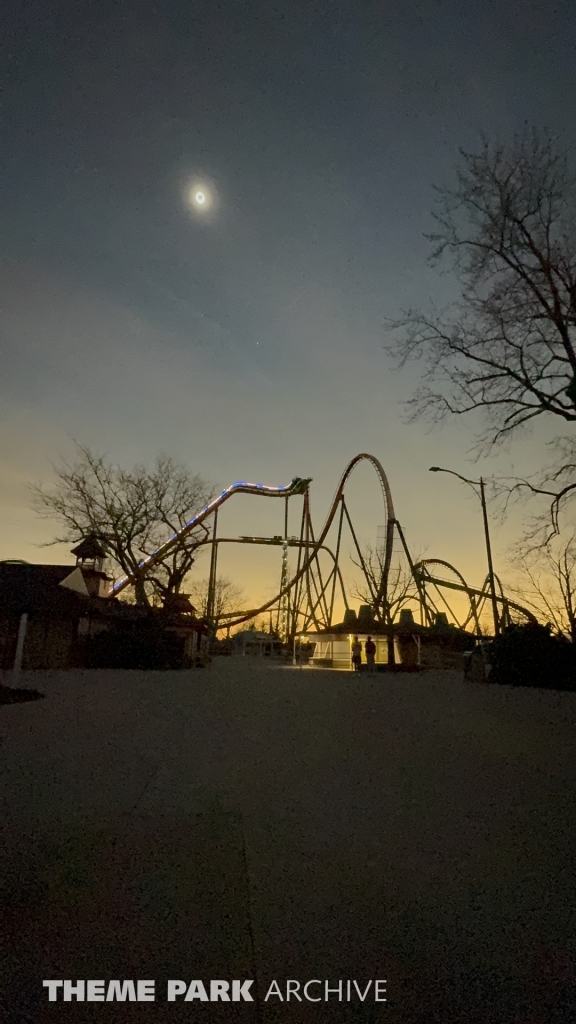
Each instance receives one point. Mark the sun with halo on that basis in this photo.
(200, 197)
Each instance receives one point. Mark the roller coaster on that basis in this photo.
(306, 598)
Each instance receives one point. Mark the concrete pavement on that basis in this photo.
(247, 821)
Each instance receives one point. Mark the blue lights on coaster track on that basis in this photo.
(428, 574)
(297, 486)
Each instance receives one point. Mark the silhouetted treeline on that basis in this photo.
(530, 655)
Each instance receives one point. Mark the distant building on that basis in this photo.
(439, 646)
(64, 621)
(254, 643)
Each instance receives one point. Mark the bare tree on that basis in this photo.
(176, 495)
(507, 347)
(132, 512)
(228, 598)
(402, 589)
(555, 484)
(547, 583)
(259, 625)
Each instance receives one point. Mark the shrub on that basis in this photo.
(139, 645)
(530, 655)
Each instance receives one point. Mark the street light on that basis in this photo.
(474, 484)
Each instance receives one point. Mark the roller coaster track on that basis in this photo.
(477, 597)
(297, 486)
(288, 542)
(308, 598)
(308, 572)
(311, 548)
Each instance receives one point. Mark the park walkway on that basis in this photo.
(248, 821)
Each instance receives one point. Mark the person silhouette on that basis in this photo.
(356, 654)
(370, 650)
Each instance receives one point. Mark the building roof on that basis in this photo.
(252, 636)
(440, 633)
(180, 603)
(36, 589)
(90, 547)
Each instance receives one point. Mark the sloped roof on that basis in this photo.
(36, 589)
(441, 632)
(248, 635)
(90, 547)
(180, 603)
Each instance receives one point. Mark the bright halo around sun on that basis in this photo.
(200, 197)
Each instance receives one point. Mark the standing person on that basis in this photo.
(356, 654)
(370, 649)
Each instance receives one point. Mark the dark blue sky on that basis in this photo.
(323, 128)
(323, 125)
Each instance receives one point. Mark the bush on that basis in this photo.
(530, 655)
(140, 645)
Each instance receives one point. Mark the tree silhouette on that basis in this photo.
(507, 346)
(131, 511)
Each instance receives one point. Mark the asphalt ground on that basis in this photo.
(249, 821)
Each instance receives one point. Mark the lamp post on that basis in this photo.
(474, 484)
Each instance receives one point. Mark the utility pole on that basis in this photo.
(490, 565)
(284, 603)
(491, 580)
(211, 597)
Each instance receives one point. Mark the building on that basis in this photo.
(90, 557)
(254, 643)
(55, 617)
(33, 599)
(405, 644)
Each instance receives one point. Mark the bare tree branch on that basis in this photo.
(508, 346)
(402, 590)
(228, 598)
(556, 484)
(132, 511)
(547, 582)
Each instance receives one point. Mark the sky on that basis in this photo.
(249, 343)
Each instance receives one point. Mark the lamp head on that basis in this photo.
(434, 469)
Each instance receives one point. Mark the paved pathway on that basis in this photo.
(247, 821)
